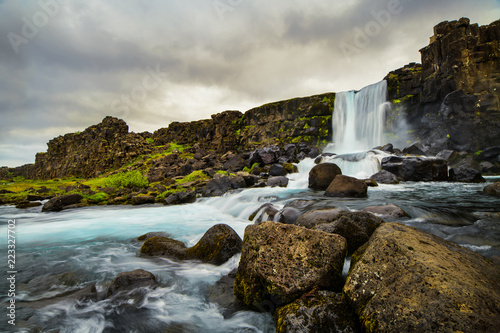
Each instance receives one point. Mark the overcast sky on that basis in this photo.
(65, 65)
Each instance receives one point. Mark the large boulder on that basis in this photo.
(385, 177)
(280, 262)
(131, 280)
(406, 280)
(58, 203)
(322, 175)
(492, 189)
(217, 245)
(466, 175)
(318, 311)
(345, 186)
(312, 218)
(411, 168)
(355, 227)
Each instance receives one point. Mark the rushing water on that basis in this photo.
(59, 253)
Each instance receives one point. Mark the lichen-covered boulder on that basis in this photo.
(312, 218)
(492, 189)
(217, 245)
(131, 280)
(355, 227)
(407, 280)
(322, 175)
(345, 186)
(280, 262)
(164, 246)
(317, 311)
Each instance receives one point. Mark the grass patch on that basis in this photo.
(195, 175)
(128, 179)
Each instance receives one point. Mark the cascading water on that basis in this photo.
(358, 124)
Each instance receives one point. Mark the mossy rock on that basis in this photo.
(164, 246)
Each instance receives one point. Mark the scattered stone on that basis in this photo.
(388, 148)
(58, 203)
(415, 149)
(345, 186)
(466, 175)
(32, 197)
(280, 262)
(385, 177)
(370, 182)
(289, 215)
(280, 181)
(390, 212)
(218, 245)
(221, 184)
(164, 246)
(406, 280)
(131, 280)
(317, 311)
(492, 189)
(321, 175)
(312, 218)
(355, 227)
(277, 170)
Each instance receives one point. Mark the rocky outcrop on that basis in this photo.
(91, 152)
(405, 280)
(321, 175)
(413, 168)
(280, 262)
(452, 100)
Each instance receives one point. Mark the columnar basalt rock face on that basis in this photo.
(452, 100)
(91, 152)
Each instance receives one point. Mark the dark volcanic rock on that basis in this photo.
(58, 203)
(355, 227)
(152, 234)
(321, 175)
(217, 245)
(385, 177)
(164, 246)
(312, 218)
(142, 199)
(391, 212)
(220, 184)
(465, 175)
(277, 170)
(131, 280)
(280, 181)
(280, 262)
(181, 198)
(317, 311)
(416, 168)
(406, 280)
(345, 186)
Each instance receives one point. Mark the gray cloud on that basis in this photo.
(93, 58)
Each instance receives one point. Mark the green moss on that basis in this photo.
(150, 140)
(128, 179)
(195, 175)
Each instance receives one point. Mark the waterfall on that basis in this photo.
(358, 118)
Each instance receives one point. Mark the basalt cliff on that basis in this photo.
(451, 101)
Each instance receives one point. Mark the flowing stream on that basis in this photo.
(60, 254)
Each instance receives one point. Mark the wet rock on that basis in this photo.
(317, 311)
(280, 181)
(131, 280)
(388, 148)
(355, 227)
(289, 215)
(492, 189)
(58, 203)
(221, 184)
(416, 168)
(415, 149)
(266, 212)
(164, 246)
(345, 186)
(490, 154)
(312, 218)
(466, 175)
(143, 199)
(406, 280)
(388, 212)
(181, 198)
(27, 204)
(152, 234)
(385, 177)
(277, 170)
(222, 294)
(321, 175)
(446, 154)
(33, 197)
(280, 262)
(217, 245)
